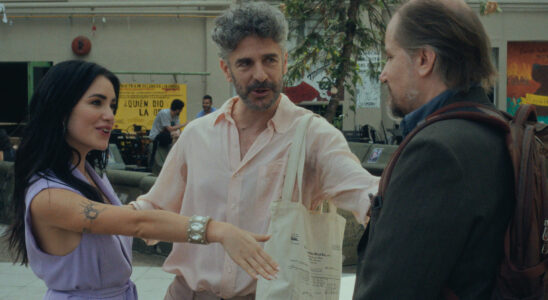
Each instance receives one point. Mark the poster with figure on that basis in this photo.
(375, 155)
(527, 72)
(368, 93)
(139, 103)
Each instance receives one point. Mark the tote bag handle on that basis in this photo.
(295, 164)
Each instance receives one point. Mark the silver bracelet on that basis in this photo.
(196, 232)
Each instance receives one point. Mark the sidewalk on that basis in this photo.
(19, 283)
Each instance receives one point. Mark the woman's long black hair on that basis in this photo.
(43, 150)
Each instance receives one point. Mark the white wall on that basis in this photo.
(142, 44)
(183, 44)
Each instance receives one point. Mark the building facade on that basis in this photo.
(169, 42)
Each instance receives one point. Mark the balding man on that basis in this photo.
(440, 226)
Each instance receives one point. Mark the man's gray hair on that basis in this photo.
(249, 19)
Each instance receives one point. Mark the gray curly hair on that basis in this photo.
(249, 19)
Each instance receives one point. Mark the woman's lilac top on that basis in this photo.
(99, 267)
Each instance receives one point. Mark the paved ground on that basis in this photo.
(19, 283)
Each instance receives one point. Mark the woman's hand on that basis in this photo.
(243, 247)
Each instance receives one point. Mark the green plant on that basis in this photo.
(331, 36)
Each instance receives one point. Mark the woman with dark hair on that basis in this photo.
(69, 225)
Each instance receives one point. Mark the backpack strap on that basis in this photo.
(459, 110)
(525, 113)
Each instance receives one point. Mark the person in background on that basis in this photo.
(69, 225)
(165, 129)
(207, 103)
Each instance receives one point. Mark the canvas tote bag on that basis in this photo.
(306, 244)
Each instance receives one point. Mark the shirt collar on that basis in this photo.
(225, 111)
(280, 122)
(411, 120)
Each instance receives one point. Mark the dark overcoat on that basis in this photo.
(443, 218)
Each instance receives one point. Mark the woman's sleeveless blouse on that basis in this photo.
(99, 267)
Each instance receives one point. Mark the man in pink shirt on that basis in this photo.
(230, 163)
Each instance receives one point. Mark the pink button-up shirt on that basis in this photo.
(204, 175)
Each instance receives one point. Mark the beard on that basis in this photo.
(395, 110)
(396, 106)
(244, 91)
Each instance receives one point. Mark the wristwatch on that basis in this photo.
(196, 232)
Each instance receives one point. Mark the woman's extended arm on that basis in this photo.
(69, 211)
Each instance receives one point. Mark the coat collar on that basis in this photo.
(475, 94)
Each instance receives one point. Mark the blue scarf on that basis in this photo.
(411, 120)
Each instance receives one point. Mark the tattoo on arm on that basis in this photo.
(90, 213)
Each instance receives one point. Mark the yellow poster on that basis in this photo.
(535, 99)
(139, 103)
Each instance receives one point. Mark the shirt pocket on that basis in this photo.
(270, 181)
